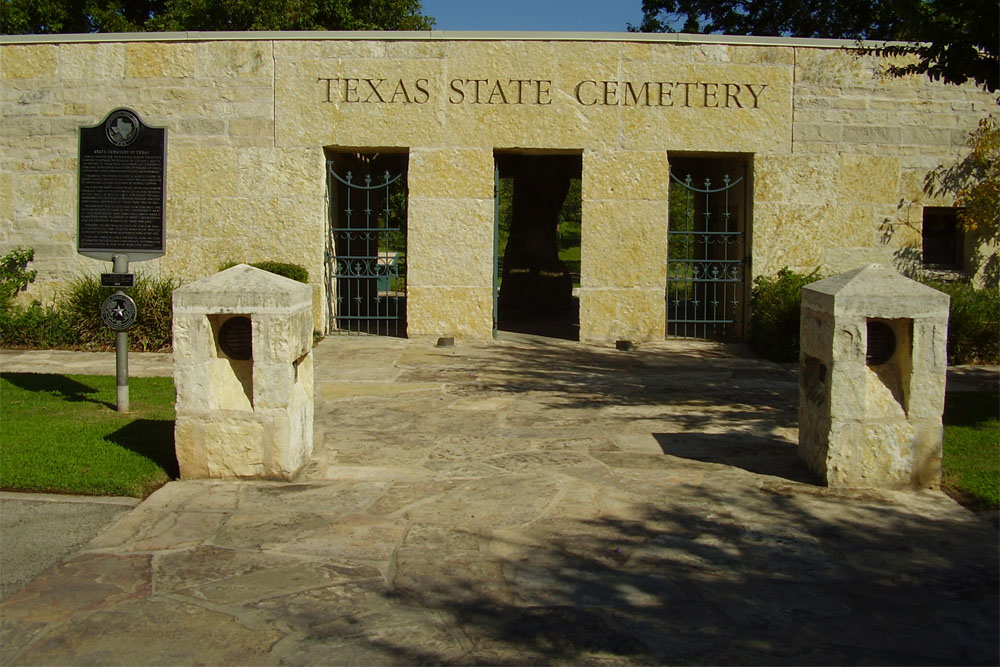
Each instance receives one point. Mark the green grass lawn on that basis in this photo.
(62, 434)
(970, 466)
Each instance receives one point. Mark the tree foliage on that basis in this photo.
(26, 17)
(950, 40)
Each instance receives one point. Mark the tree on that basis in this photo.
(952, 40)
(21, 17)
(31, 17)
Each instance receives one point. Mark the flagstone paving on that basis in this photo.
(524, 502)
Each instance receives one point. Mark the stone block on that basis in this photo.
(6, 196)
(872, 135)
(234, 59)
(795, 178)
(447, 242)
(45, 194)
(221, 448)
(280, 172)
(869, 179)
(872, 372)
(838, 260)
(790, 234)
(251, 131)
(203, 171)
(159, 60)
(624, 244)
(243, 405)
(87, 62)
(451, 173)
(29, 61)
(763, 55)
(432, 311)
(829, 67)
(622, 314)
(927, 136)
(625, 175)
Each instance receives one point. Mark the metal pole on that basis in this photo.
(121, 347)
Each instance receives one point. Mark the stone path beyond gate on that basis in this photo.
(528, 502)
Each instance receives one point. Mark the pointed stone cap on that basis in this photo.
(241, 289)
(875, 291)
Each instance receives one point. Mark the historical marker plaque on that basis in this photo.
(122, 182)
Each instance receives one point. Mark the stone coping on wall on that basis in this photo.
(444, 35)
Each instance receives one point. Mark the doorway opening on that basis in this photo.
(708, 247)
(537, 234)
(366, 243)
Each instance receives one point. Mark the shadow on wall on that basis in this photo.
(980, 264)
(908, 261)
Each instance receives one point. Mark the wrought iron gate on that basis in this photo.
(706, 261)
(366, 253)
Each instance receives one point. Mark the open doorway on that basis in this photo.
(538, 219)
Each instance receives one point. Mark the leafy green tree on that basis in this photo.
(30, 17)
(20, 17)
(952, 40)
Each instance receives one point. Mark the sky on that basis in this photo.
(547, 15)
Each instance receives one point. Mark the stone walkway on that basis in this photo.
(140, 364)
(528, 502)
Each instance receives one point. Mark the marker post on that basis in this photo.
(120, 265)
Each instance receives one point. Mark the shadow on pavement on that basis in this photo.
(759, 455)
(811, 580)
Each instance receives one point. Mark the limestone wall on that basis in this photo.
(850, 192)
(833, 149)
(233, 194)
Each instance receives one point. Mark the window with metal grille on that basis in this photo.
(943, 241)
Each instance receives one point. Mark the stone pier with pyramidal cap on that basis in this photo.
(873, 363)
(243, 372)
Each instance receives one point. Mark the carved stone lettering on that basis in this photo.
(376, 91)
(539, 92)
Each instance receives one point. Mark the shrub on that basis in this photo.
(973, 322)
(36, 326)
(33, 325)
(153, 299)
(775, 304)
(293, 271)
(14, 274)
